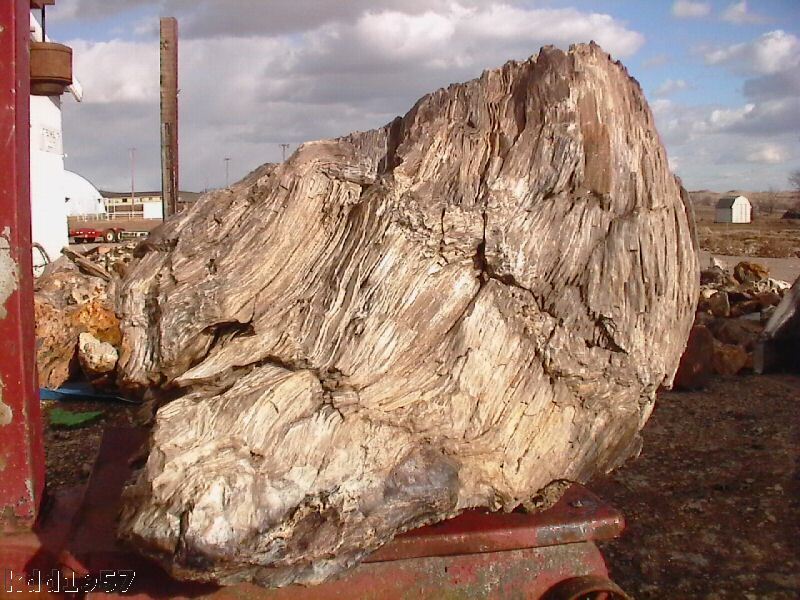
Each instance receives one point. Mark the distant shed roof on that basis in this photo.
(728, 201)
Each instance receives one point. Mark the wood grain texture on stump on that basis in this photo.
(454, 310)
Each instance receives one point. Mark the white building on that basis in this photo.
(48, 206)
(733, 209)
(152, 206)
(142, 205)
(82, 198)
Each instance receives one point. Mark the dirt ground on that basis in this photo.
(70, 453)
(713, 501)
(768, 236)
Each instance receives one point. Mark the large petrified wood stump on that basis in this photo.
(455, 310)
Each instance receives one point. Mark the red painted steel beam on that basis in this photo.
(21, 446)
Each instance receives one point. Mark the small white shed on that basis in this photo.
(733, 209)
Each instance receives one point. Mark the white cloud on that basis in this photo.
(726, 117)
(68, 10)
(770, 154)
(776, 85)
(307, 69)
(671, 86)
(770, 53)
(684, 9)
(661, 106)
(116, 71)
(738, 13)
(768, 118)
(404, 36)
(721, 148)
(677, 123)
(462, 35)
(244, 94)
(759, 120)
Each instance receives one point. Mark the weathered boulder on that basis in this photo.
(96, 357)
(749, 272)
(454, 310)
(768, 298)
(716, 275)
(696, 366)
(779, 345)
(66, 304)
(719, 304)
(740, 332)
(729, 359)
(745, 308)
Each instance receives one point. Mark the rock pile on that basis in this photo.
(733, 308)
(114, 259)
(74, 301)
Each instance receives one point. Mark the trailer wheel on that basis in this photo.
(589, 587)
(109, 236)
(118, 235)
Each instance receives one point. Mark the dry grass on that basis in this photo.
(768, 236)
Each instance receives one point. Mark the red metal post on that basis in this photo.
(21, 446)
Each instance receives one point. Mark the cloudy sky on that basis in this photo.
(722, 77)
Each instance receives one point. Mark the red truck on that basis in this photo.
(82, 235)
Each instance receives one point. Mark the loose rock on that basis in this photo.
(766, 299)
(96, 357)
(66, 304)
(744, 308)
(719, 305)
(749, 272)
(729, 359)
(740, 332)
(696, 366)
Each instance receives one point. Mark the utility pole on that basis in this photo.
(284, 147)
(133, 176)
(169, 115)
(227, 170)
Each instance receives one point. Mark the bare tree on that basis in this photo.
(770, 201)
(794, 181)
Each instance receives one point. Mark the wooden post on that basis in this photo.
(21, 446)
(169, 115)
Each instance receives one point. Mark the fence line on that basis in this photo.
(112, 216)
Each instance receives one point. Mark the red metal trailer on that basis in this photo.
(82, 235)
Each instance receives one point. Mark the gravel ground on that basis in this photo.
(713, 502)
